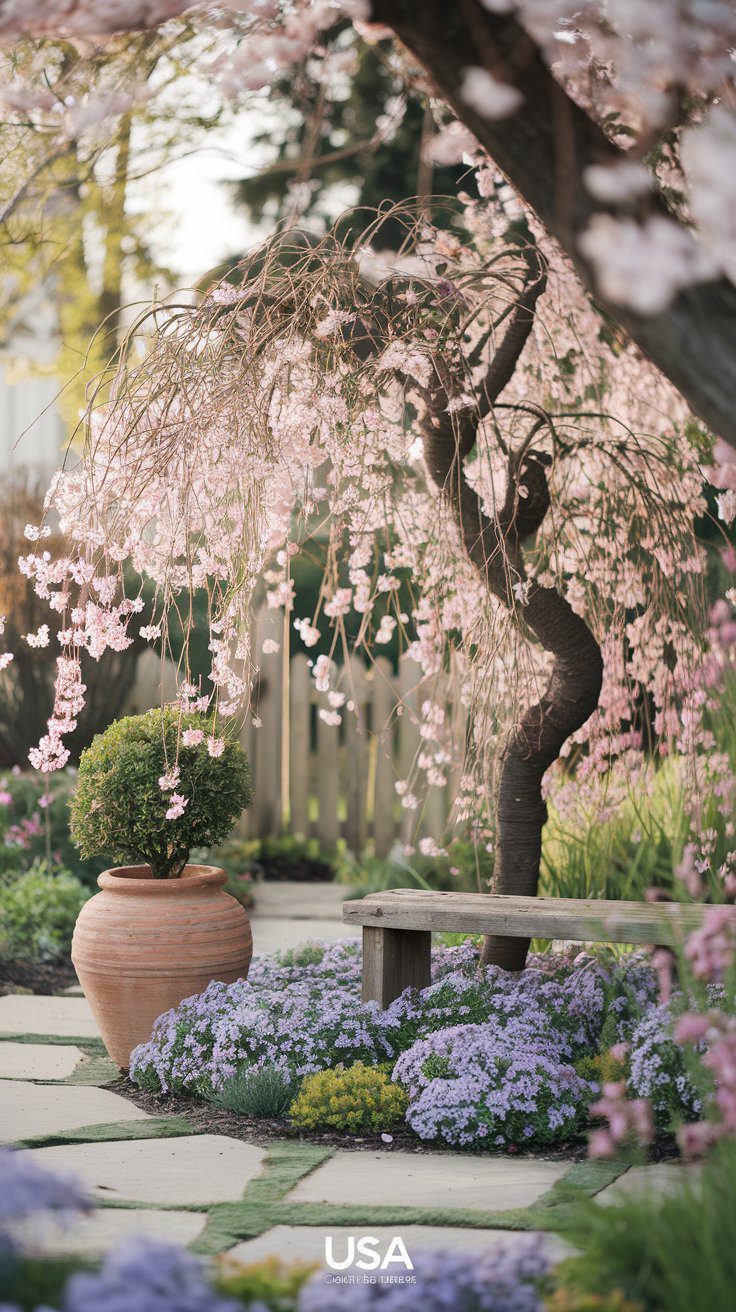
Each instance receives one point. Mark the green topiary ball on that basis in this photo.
(118, 809)
(351, 1098)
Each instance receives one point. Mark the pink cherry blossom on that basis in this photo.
(177, 806)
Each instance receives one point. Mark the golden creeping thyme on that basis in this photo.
(356, 1097)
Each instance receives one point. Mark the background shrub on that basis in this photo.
(34, 824)
(38, 910)
(119, 809)
(349, 1098)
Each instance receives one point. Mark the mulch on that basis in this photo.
(207, 1118)
(36, 976)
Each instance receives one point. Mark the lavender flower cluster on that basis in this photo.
(298, 1017)
(493, 1083)
(143, 1275)
(657, 1069)
(519, 1035)
(26, 1188)
(508, 1279)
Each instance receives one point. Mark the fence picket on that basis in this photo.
(266, 815)
(300, 746)
(346, 774)
(328, 781)
(384, 769)
(357, 689)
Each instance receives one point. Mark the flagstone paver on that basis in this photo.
(296, 900)
(38, 1061)
(193, 1169)
(441, 1180)
(29, 1110)
(37, 1014)
(155, 1178)
(101, 1230)
(660, 1181)
(306, 1243)
(273, 934)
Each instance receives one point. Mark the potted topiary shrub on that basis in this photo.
(151, 788)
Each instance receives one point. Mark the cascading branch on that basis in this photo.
(455, 443)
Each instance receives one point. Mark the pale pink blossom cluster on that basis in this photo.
(237, 430)
(711, 950)
(629, 1120)
(177, 806)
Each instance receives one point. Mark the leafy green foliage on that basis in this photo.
(259, 1091)
(270, 1284)
(29, 1282)
(38, 911)
(665, 1254)
(286, 857)
(569, 1300)
(358, 1097)
(34, 824)
(119, 808)
(380, 173)
(467, 868)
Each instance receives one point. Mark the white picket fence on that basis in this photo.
(323, 781)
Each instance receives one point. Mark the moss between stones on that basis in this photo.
(263, 1204)
(95, 1071)
(93, 1046)
(162, 1127)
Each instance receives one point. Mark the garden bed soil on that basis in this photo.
(207, 1118)
(36, 976)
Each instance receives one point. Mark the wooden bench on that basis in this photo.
(398, 925)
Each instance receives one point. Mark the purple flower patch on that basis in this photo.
(471, 1084)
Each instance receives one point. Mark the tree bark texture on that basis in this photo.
(544, 150)
(495, 548)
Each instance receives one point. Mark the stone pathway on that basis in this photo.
(154, 1175)
(287, 913)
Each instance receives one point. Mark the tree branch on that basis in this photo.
(544, 150)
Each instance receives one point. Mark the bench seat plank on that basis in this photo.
(662, 923)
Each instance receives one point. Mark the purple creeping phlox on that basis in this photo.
(507, 1279)
(471, 1083)
(143, 1275)
(27, 1188)
(300, 1012)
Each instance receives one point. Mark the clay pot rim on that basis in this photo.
(138, 880)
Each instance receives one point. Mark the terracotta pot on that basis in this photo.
(143, 944)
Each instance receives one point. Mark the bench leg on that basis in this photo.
(394, 960)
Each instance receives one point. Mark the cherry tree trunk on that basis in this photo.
(534, 744)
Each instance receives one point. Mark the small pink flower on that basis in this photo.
(690, 1028)
(215, 746)
(169, 780)
(192, 737)
(600, 1144)
(177, 806)
(694, 1140)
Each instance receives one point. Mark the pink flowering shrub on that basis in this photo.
(145, 796)
(681, 1055)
